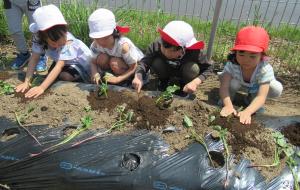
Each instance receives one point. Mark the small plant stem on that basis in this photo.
(295, 176)
(223, 138)
(30, 134)
(199, 139)
(276, 161)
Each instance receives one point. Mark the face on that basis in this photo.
(247, 59)
(59, 43)
(172, 53)
(106, 42)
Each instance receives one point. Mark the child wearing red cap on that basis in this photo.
(113, 56)
(175, 54)
(247, 69)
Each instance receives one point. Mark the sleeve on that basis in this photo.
(266, 74)
(94, 51)
(131, 56)
(144, 65)
(68, 52)
(36, 47)
(228, 68)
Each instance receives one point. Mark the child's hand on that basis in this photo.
(245, 117)
(96, 78)
(228, 110)
(22, 87)
(137, 84)
(191, 87)
(34, 92)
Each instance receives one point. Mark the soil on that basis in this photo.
(65, 104)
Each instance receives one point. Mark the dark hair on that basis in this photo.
(54, 33)
(168, 45)
(116, 34)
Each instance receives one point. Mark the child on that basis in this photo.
(247, 68)
(175, 54)
(14, 11)
(111, 52)
(71, 56)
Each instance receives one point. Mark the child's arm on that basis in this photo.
(225, 96)
(94, 72)
(258, 101)
(124, 76)
(34, 59)
(38, 90)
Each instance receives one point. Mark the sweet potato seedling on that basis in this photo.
(103, 88)
(188, 123)
(6, 88)
(124, 117)
(166, 97)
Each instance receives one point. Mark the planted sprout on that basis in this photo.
(103, 87)
(223, 136)
(124, 117)
(166, 95)
(6, 88)
(189, 124)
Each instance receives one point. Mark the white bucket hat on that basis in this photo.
(102, 23)
(180, 33)
(45, 17)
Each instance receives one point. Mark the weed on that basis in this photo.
(166, 97)
(6, 88)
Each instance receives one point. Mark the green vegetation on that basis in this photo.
(284, 38)
(6, 88)
(188, 123)
(103, 88)
(124, 117)
(166, 96)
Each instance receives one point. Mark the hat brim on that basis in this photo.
(194, 44)
(101, 34)
(250, 48)
(167, 38)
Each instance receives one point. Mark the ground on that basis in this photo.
(66, 103)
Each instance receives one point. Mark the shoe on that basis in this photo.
(42, 64)
(20, 61)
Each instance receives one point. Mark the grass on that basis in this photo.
(284, 44)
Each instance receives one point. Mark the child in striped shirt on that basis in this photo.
(247, 69)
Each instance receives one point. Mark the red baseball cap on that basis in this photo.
(252, 38)
(180, 33)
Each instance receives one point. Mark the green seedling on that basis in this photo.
(282, 147)
(188, 123)
(103, 88)
(166, 96)
(124, 117)
(223, 136)
(21, 119)
(6, 88)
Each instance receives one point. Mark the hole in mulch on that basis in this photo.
(68, 130)
(217, 159)
(131, 161)
(9, 134)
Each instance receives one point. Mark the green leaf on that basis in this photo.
(298, 153)
(212, 118)
(281, 142)
(289, 151)
(187, 122)
(217, 127)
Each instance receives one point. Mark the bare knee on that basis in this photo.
(103, 61)
(118, 66)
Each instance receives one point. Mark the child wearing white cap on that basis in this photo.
(71, 57)
(113, 55)
(175, 54)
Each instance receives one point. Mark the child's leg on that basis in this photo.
(189, 71)
(103, 61)
(275, 89)
(118, 66)
(161, 68)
